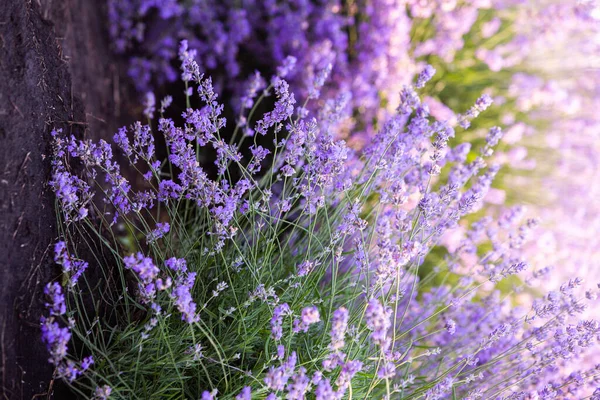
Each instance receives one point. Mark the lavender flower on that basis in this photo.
(143, 142)
(299, 385)
(339, 324)
(378, 321)
(309, 316)
(258, 155)
(181, 291)
(149, 105)
(277, 320)
(121, 139)
(441, 390)
(277, 377)
(162, 228)
(305, 267)
(319, 81)
(147, 273)
(206, 395)
(68, 370)
(168, 189)
(165, 103)
(189, 67)
(387, 370)
(494, 136)
(57, 304)
(349, 369)
(426, 75)
(102, 392)
(324, 391)
(284, 107)
(408, 100)
(464, 120)
(86, 363)
(255, 84)
(286, 67)
(56, 339)
(245, 394)
(450, 326)
(70, 265)
(72, 193)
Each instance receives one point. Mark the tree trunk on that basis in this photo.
(56, 71)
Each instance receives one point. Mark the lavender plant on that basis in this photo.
(305, 270)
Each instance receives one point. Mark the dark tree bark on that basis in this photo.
(56, 71)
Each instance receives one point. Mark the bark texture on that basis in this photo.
(56, 71)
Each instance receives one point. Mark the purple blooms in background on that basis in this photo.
(451, 326)
(366, 49)
(313, 33)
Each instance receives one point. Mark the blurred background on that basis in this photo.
(90, 65)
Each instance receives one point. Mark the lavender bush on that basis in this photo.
(308, 269)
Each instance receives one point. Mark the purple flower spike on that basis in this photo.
(245, 394)
(56, 339)
(57, 305)
(425, 76)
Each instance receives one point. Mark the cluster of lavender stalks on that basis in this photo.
(306, 269)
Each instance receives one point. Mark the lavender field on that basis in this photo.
(304, 199)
